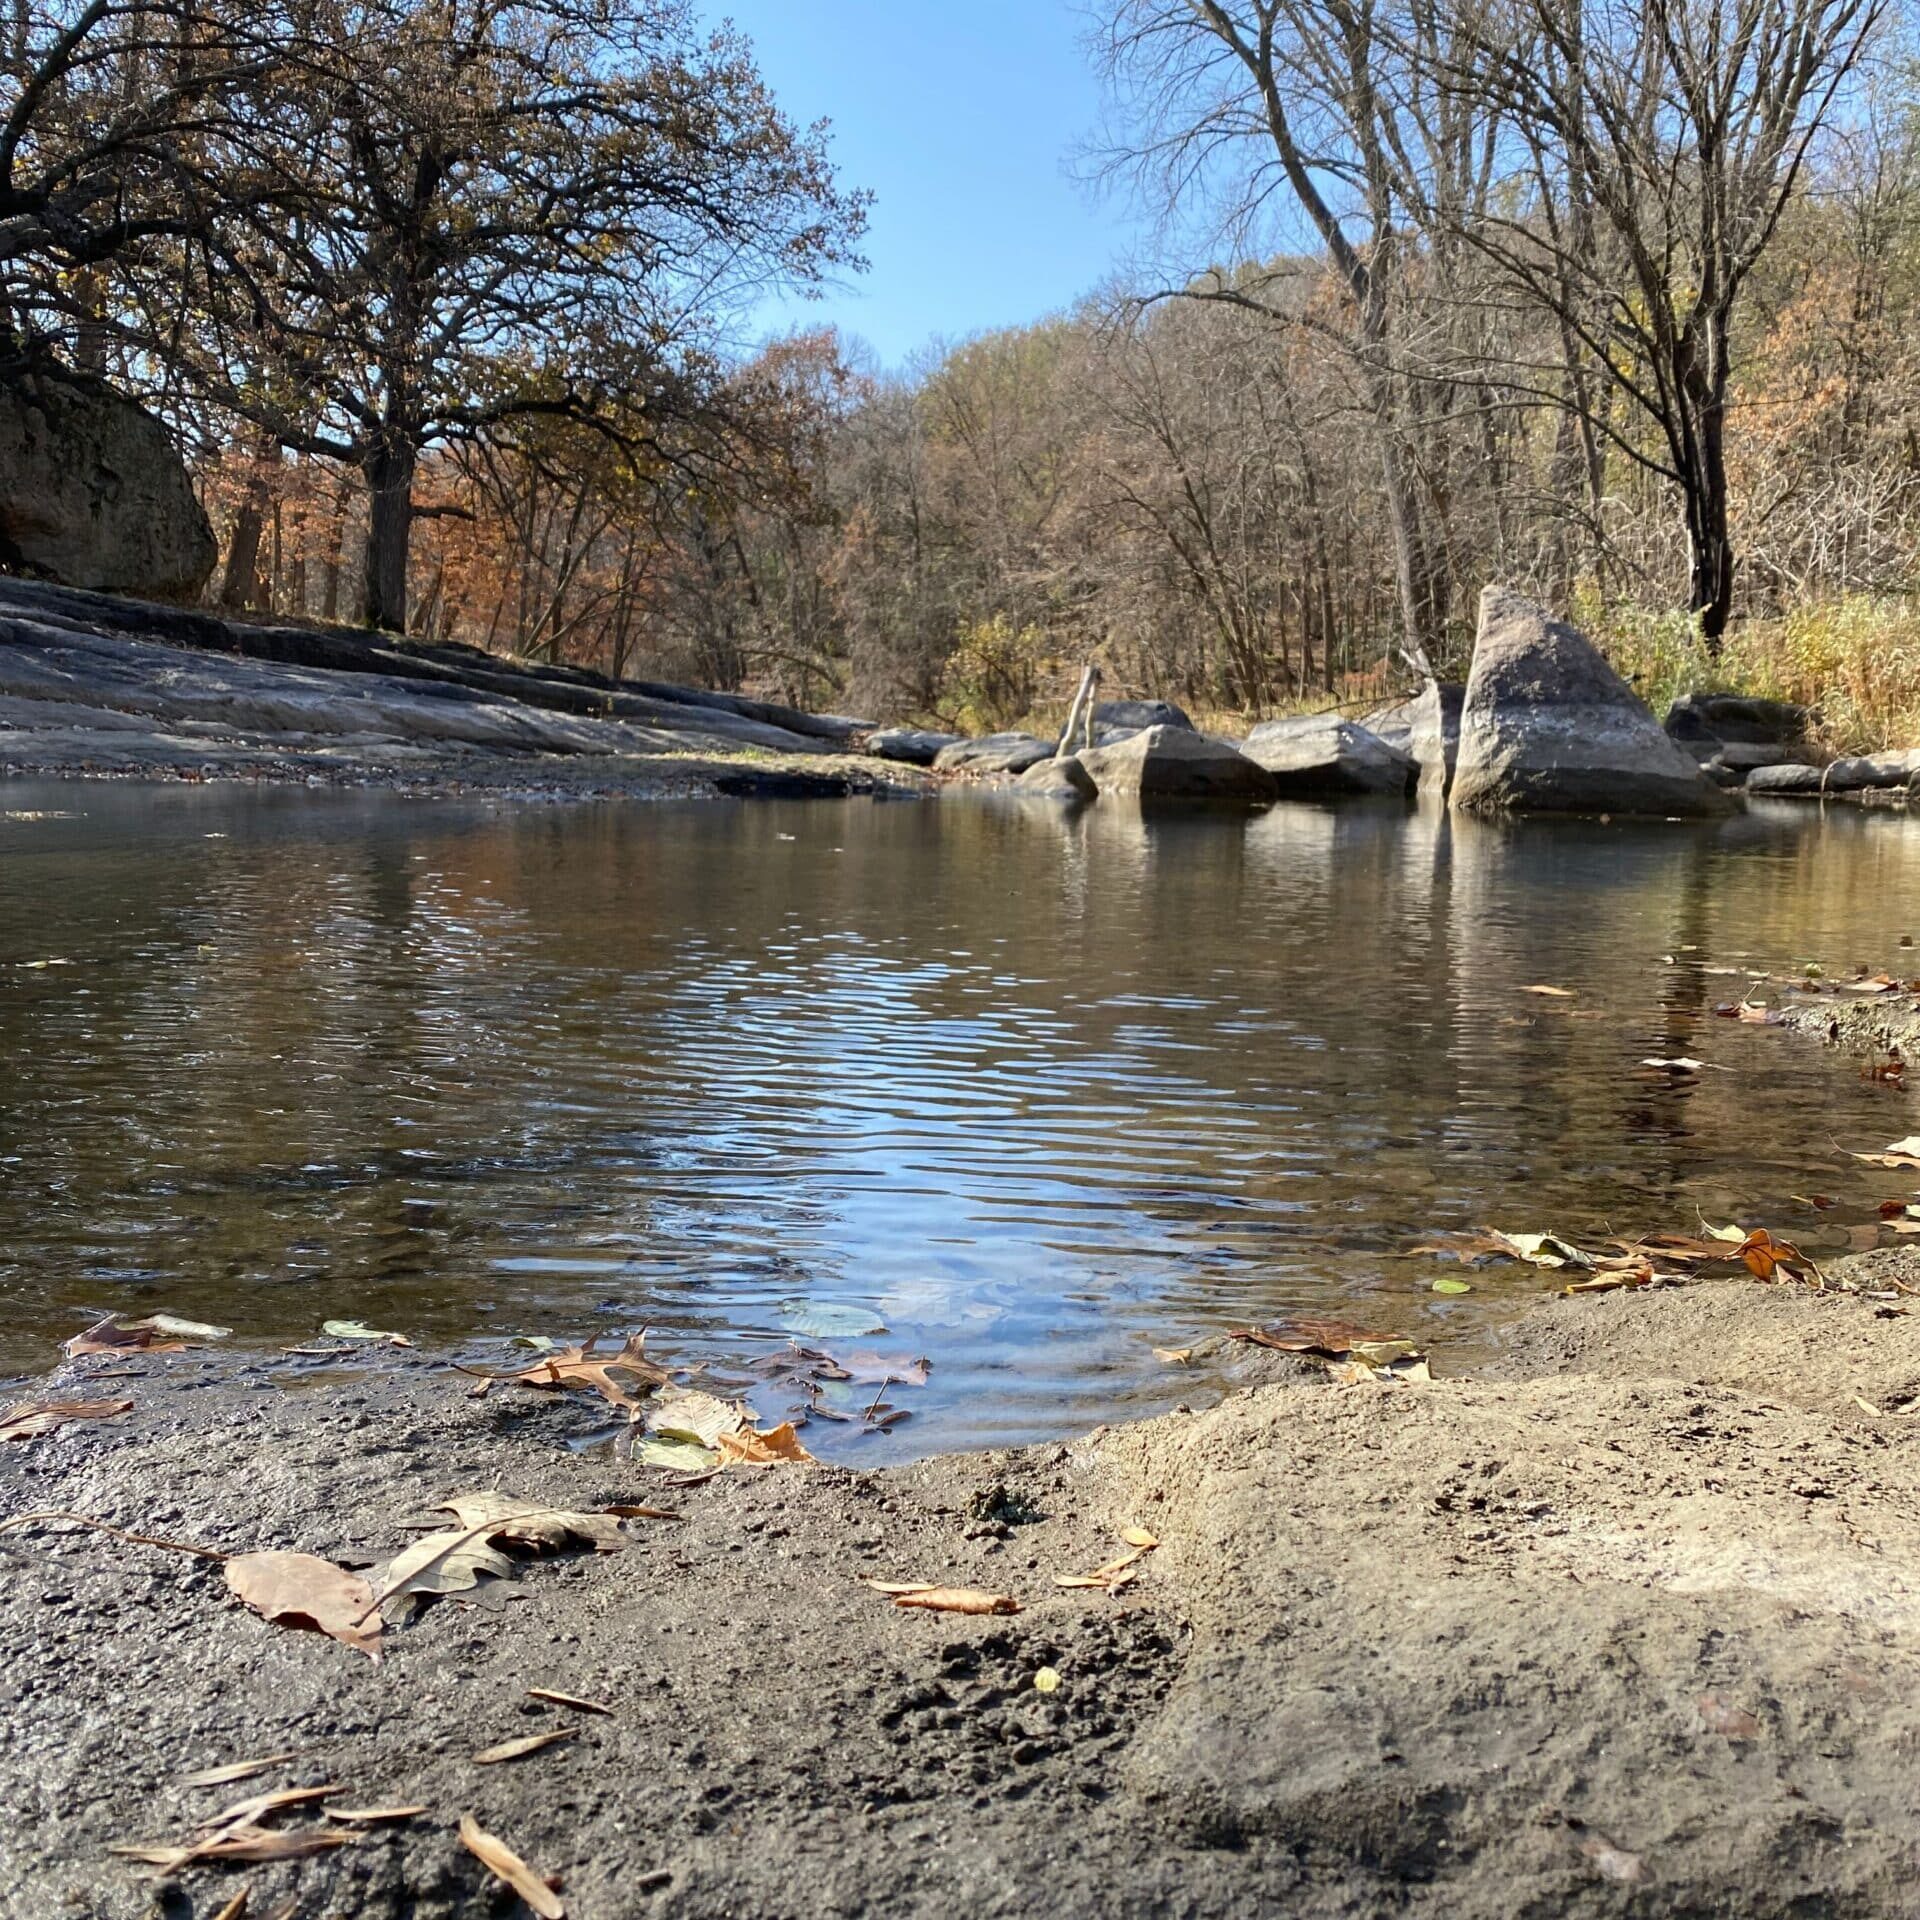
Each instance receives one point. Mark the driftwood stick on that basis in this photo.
(1080, 714)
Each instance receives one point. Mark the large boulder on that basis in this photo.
(1862, 773)
(1548, 727)
(913, 745)
(1434, 735)
(1175, 763)
(993, 753)
(1715, 719)
(92, 492)
(1131, 716)
(1319, 755)
(1063, 780)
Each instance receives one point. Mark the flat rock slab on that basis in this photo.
(1174, 763)
(1547, 726)
(913, 745)
(1322, 756)
(1629, 1621)
(993, 753)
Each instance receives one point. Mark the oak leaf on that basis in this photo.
(302, 1590)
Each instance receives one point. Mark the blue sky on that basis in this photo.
(962, 116)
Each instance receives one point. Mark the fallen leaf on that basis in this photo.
(1762, 1254)
(504, 1864)
(572, 1700)
(684, 1413)
(372, 1816)
(1613, 1863)
(237, 1770)
(1047, 1680)
(1447, 1284)
(677, 1456)
(1139, 1537)
(438, 1563)
(1116, 1573)
(1548, 1250)
(169, 1323)
(257, 1806)
(1554, 993)
(901, 1586)
(957, 1600)
(581, 1367)
(526, 1525)
(1721, 1717)
(1867, 1406)
(358, 1330)
(30, 1419)
(110, 1336)
(1173, 1356)
(778, 1445)
(1680, 1064)
(886, 1369)
(1470, 1249)
(253, 1845)
(1903, 1153)
(526, 1744)
(1335, 1337)
(302, 1590)
(830, 1320)
(236, 1908)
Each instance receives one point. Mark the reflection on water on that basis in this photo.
(1040, 1092)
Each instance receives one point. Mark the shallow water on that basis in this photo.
(1038, 1094)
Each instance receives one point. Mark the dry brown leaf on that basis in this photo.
(30, 1419)
(1903, 1153)
(255, 1845)
(110, 1336)
(255, 1808)
(1306, 1334)
(1867, 1406)
(237, 1770)
(572, 1700)
(302, 1590)
(437, 1563)
(372, 1816)
(958, 1600)
(777, 1446)
(236, 1908)
(886, 1369)
(527, 1525)
(1173, 1356)
(526, 1744)
(901, 1586)
(1139, 1537)
(1551, 993)
(504, 1864)
(580, 1367)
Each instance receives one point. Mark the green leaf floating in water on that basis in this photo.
(830, 1320)
(1451, 1286)
(358, 1330)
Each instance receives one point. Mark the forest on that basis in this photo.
(1610, 299)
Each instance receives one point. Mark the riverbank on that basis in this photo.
(92, 686)
(1628, 1618)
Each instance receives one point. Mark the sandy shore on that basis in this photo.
(1627, 1621)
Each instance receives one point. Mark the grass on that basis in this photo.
(1855, 660)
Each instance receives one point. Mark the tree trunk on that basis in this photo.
(1703, 481)
(241, 585)
(389, 469)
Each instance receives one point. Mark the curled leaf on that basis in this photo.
(31, 1419)
(776, 1446)
(527, 1743)
(504, 1864)
(958, 1600)
(524, 1524)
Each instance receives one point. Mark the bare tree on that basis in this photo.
(1651, 148)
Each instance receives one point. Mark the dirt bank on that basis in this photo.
(1629, 1621)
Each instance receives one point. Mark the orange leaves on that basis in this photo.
(579, 1367)
(972, 1600)
(778, 1446)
